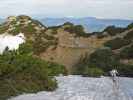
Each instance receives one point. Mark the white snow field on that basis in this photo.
(84, 88)
(10, 41)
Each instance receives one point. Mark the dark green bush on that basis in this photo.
(130, 26)
(21, 72)
(117, 43)
(40, 46)
(28, 30)
(78, 30)
(26, 48)
(68, 23)
(104, 59)
(56, 69)
(93, 72)
(16, 30)
(125, 70)
(129, 36)
(112, 30)
(127, 52)
(80, 66)
(100, 63)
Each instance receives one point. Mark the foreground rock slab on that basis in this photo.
(84, 88)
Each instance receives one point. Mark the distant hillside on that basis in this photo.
(91, 24)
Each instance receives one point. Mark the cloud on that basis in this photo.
(61, 8)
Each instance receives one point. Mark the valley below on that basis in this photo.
(74, 87)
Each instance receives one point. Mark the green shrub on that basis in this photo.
(117, 43)
(26, 48)
(130, 26)
(16, 30)
(93, 72)
(104, 59)
(125, 70)
(112, 30)
(40, 46)
(80, 66)
(28, 30)
(22, 72)
(129, 36)
(127, 52)
(56, 69)
(101, 62)
(83, 68)
(78, 30)
(68, 23)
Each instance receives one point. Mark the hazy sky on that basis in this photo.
(122, 9)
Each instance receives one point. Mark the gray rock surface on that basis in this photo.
(84, 88)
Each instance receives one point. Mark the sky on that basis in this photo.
(116, 9)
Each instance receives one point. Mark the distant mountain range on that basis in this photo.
(91, 24)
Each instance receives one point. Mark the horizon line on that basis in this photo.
(75, 17)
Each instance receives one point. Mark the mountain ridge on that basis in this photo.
(91, 24)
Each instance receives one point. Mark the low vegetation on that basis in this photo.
(78, 30)
(22, 72)
(100, 63)
(127, 52)
(129, 36)
(93, 72)
(130, 26)
(112, 30)
(117, 43)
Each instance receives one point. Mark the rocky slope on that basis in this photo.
(32, 29)
(74, 44)
(65, 44)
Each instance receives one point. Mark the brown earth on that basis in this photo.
(70, 49)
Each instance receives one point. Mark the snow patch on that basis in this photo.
(10, 41)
